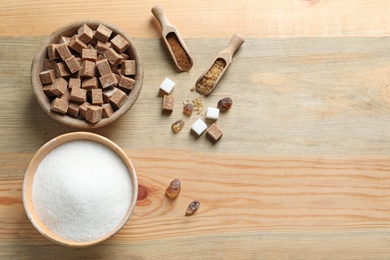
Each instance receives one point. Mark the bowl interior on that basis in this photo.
(38, 66)
(30, 174)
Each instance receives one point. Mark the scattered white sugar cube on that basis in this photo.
(199, 126)
(212, 113)
(167, 85)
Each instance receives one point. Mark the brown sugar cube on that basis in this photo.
(107, 110)
(78, 95)
(89, 54)
(125, 56)
(93, 114)
(118, 99)
(63, 51)
(66, 95)
(128, 67)
(102, 47)
(168, 103)
(108, 80)
(46, 90)
(64, 39)
(107, 94)
(114, 67)
(85, 33)
(102, 33)
(97, 96)
(126, 82)
(214, 132)
(58, 87)
(72, 64)
(61, 70)
(49, 64)
(117, 77)
(52, 53)
(103, 67)
(73, 109)
(90, 83)
(88, 69)
(59, 105)
(100, 57)
(47, 76)
(83, 109)
(74, 83)
(119, 43)
(113, 57)
(93, 41)
(76, 44)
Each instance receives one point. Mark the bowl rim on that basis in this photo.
(37, 67)
(30, 174)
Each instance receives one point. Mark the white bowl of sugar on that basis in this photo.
(79, 189)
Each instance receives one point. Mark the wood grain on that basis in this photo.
(302, 168)
(247, 204)
(205, 19)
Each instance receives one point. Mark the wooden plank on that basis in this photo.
(250, 206)
(205, 19)
(291, 96)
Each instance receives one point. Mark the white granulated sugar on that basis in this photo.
(82, 190)
(167, 85)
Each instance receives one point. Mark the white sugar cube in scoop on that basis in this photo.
(199, 126)
(212, 113)
(167, 85)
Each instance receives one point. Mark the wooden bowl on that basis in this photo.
(38, 66)
(28, 201)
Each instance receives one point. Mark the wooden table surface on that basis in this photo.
(303, 168)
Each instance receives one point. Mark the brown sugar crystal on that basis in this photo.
(128, 67)
(58, 87)
(74, 83)
(97, 97)
(47, 76)
(113, 57)
(214, 132)
(107, 110)
(72, 64)
(87, 69)
(119, 43)
(61, 70)
(168, 103)
(103, 67)
(93, 114)
(108, 80)
(181, 55)
(85, 33)
(78, 95)
(118, 99)
(73, 109)
(90, 83)
(89, 54)
(59, 105)
(102, 33)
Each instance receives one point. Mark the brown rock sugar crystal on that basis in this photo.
(181, 55)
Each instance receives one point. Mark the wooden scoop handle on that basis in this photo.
(159, 13)
(235, 42)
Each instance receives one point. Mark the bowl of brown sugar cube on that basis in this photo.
(87, 74)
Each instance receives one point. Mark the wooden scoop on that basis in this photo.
(180, 55)
(224, 57)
